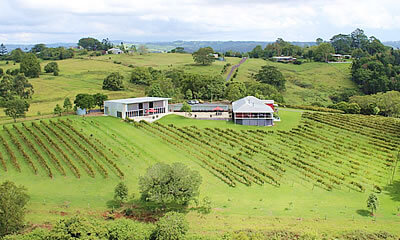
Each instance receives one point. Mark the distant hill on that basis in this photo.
(393, 44)
(189, 46)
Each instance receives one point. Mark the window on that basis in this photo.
(106, 110)
(151, 104)
(119, 114)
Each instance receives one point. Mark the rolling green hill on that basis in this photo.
(306, 83)
(309, 174)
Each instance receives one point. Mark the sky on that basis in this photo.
(54, 21)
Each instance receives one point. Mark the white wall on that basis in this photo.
(113, 107)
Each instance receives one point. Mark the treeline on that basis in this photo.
(179, 85)
(356, 44)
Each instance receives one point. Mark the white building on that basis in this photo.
(115, 50)
(136, 107)
(253, 111)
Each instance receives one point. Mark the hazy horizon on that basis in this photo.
(46, 21)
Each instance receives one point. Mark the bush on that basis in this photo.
(13, 200)
(297, 62)
(121, 192)
(36, 234)
(173, 226)
(113, 82)
(51, 67)
(165, 183)
(78, 228)
(124, 229)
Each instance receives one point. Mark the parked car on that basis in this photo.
(192, 102)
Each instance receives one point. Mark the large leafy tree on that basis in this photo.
(359, 39)
(99, 99)
(6, 87)
(323, 51)
(13, 200)
(164, 184)
(30, 65)
(113, 82)
(341, 43)
(16, 108)
(90, 44)
(204, 56)
(271, 75)
(22, 87)
(17, 55)
(141, 75)
(84, 101)
(235, 91)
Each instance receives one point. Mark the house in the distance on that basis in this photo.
(253, 111)
(115, 51)
(136, 107)
(284, 59)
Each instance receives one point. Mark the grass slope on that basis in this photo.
(307, 83)
(299, 204)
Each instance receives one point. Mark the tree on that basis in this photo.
(188, 94)
(57, 110)
(257, 52)
(359, 39)
(163, 184)
(51, 67)
(141, 75)
(38, 48)
(204, 56)
(6, 87)
(235, 91)
(172, 226)
(319, 41)
(323, 51)
(3, 50)
(90, 44)
(16, 55)
(13, 200)
(67, 105)
(22, 87)
(372, 203)
(99, 99)
(155, 90)
(121, 192)
(186, 108)
(16, 108)
(271, 75)
(84, 101)
(113, 82)
(341, 43)
(30, 65)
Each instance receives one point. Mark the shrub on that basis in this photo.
(13, 200)
(173, 226)
(121, 192)
(165, 183)
(36, 234)
(113, 82)
(51, 67)
(124, 229)
(78, 228)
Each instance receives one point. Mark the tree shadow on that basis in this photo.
(113, 204)
(363, 212)
(393, 190)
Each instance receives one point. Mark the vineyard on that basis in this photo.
(330, 151)
(56, 148)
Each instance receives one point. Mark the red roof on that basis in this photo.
(218, 109)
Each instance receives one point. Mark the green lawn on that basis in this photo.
(296, 205)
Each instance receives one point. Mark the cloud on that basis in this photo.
(159, 20)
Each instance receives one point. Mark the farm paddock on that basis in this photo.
(319, 169)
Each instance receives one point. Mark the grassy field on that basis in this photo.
(316, 196)
(307, 83)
